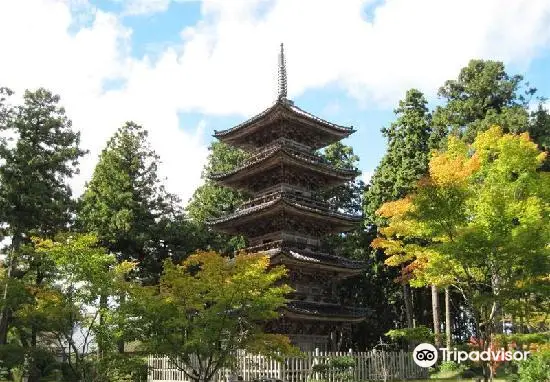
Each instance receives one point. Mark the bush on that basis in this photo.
(412, 335)
(536, 368)
(341, 369)
(449, 366)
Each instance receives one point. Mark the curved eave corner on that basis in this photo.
(345, 174)
(343, 131)
(236, 215)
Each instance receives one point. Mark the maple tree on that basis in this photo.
(478, 222)
(208, 308)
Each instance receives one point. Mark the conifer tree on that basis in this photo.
(125, 203)
(40, 154)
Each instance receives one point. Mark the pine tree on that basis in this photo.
(406, 160)
(35, 198)
(125, 203)
(483, 95)
(410, 139)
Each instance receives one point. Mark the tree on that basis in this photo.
(65, 308)
(34, 195)
(483, 217)
(211, 201)
(126, 205)
(208, 308)
(89, 272)
(410, 139)
(483, 95)
(407, 156)
(539, 131)
(348, 196)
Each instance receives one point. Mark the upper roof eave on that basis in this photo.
(288, 105)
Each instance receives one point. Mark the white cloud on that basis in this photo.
(147, 7)
(226, 62)
(43, 53)
(142, 7)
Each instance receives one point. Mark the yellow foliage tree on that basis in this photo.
(480, 223)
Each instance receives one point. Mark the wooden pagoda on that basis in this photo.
(286, 219)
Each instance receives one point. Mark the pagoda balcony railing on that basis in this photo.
(275, 244)
(310, 201)
(286, 143)
(319, 298)
(296, 149)
(280, 244)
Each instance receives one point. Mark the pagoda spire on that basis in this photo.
(282, 88)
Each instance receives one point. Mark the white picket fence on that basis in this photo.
(374, 365)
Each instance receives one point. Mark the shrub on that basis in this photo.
(536, 368)
(412, 335)
(448, 366)
(341, 369)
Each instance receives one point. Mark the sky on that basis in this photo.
(185, 68)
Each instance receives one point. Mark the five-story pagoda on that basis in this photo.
(287, 219)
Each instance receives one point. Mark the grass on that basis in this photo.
(452, 376)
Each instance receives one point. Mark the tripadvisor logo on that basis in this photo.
(426, 355)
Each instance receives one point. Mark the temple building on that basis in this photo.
(286, 218)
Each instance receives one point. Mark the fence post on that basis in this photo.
(402, 359)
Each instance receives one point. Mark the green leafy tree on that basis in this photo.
(208, 308)
(483, 95)
(539, 131)
(346, 197)
(70, 307)
(211, 201)
(410, 139)
(126, 205)
(407, 156)
(482, 215)
(66, 313)
(39, 156)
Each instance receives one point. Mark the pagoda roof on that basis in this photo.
(284, 201)
(281, 253)
(309, 310)
(285, 109)
(281, 152)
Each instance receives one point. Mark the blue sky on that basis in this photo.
(185, 68)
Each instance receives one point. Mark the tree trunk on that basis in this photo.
(448, 331)
(435, 313)
(34, 372)
(408, 304)
(102, 312)
(5, 313)
(120, 342)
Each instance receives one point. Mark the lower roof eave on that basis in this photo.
(318, 317)
(286, 259)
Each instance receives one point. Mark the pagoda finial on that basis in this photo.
(282, 88)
